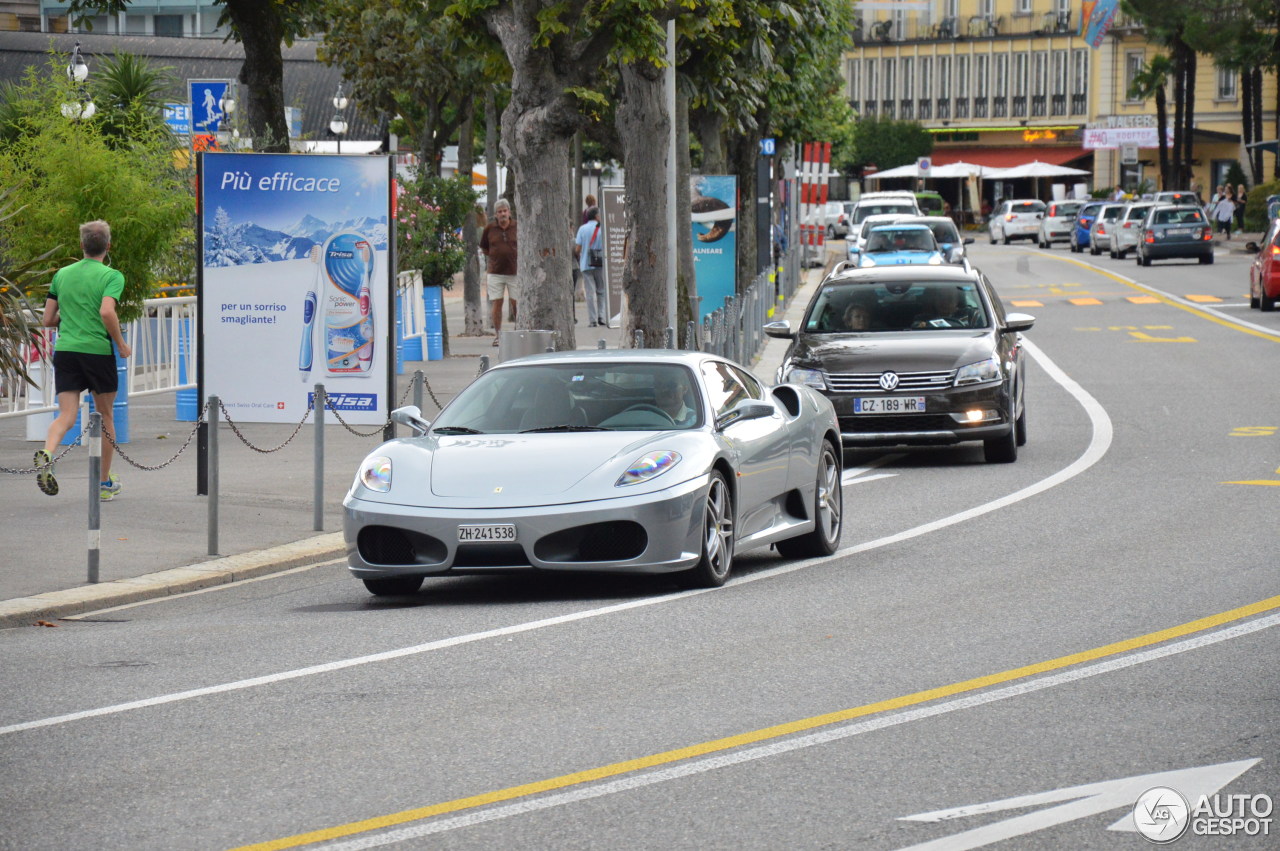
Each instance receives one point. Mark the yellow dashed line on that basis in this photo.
(1084, 302)
(1203, 299)
(1142, 299)
(1026, 303)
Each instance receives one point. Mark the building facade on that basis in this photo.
(1004, 82)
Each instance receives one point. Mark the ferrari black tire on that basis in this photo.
(828, 511)
(394, 586)
(716, 563)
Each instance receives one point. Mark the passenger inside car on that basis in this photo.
(857, 317)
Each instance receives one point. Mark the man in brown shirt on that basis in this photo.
(498, 242)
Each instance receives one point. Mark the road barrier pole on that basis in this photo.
(95, 503)
(317, 518)
(418, 379)
(212, 474)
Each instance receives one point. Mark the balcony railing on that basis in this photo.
(1058, 105)
(944, 108)
(1019, 106)
(1038, 106)
(906, 109)
(974, 27)
(1079, 104)
(962, 107)
(1000, 107)
(980, 108)
(926, 109)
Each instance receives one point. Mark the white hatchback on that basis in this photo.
(1058, 220)
(1017, 219)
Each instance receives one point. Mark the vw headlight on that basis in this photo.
(977, 373)
(808, 377)
(375, 473)
(648, 466)
(866, 260)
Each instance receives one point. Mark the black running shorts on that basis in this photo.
(77, 371)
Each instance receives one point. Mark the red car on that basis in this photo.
(1264, 274)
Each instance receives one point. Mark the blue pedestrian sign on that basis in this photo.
(206, 104)
(768, 147)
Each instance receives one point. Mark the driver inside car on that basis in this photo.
(945, 308)
(668, 394)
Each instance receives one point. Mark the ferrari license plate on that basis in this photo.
(891, 405)
(488, 532)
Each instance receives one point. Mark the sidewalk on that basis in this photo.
(155, 534)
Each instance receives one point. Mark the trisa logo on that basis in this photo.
(1162, 815)
(338, 252)
(348, 401)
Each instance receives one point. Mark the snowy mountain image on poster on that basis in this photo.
(271, 208)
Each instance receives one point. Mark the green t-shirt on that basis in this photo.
(79, 290)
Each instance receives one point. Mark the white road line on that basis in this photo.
(1098, 444)
(833, 734)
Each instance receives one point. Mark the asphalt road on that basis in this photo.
(1099, 610)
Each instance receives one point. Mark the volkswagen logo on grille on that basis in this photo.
(889, 380)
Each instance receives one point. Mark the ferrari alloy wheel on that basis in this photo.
(394, 586)
(828, 512)
(717, 538)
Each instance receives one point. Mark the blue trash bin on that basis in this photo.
(433, 299)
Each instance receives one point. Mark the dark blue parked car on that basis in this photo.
(1080, 233)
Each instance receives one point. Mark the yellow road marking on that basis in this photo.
(1147, 338)
(1203, 299)
(1225, 323)
(1026, 303)
(1142, 299)
(1084, 302)
(764, 734)
(1275, 483)
(1254, 431)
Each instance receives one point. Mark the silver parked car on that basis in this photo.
(947, 234)
(1126, 232)
(1103, 225)
(645, 461)
(1017, 219)
(1059, 219)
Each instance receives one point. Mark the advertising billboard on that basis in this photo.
(296, 284)
(715, 242)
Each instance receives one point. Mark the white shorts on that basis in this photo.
(497, 283)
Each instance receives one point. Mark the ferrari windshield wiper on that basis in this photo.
(456, 430)
(565, 427)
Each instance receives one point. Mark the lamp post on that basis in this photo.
(227, 106)
(338, 125)
(78, 72)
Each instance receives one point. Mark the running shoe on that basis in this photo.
(107, 490)
(44, 475)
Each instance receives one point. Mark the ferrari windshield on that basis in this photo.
(899, 305)
(575, 397)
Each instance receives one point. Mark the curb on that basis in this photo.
(25, 611)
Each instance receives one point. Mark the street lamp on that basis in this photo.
(338, 125)
(78, 72)
(227, 105)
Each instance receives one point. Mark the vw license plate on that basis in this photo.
(891, 405)
(488, 532)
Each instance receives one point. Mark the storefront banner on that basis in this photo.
(296, 284)
(1118, 137)
(715, 240)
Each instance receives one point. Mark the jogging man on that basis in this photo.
(82, 306)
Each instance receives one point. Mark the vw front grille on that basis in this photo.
(908, 382)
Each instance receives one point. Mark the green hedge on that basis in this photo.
(1255, 206)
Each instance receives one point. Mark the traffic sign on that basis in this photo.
(768, 147)
(923, 165)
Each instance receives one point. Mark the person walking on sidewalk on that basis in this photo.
(587, 247)
(82, 306)
(498, 243)
(1224, 210)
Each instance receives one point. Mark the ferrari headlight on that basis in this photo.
(648, 466)
(808, 377)
(977, 373)
(375, 473)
